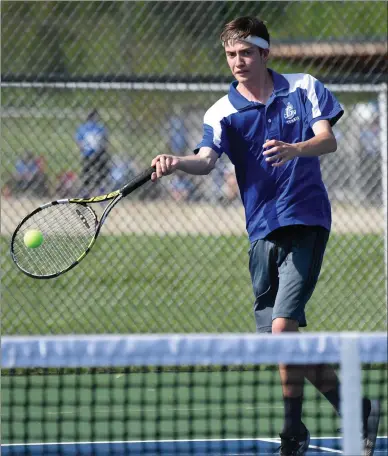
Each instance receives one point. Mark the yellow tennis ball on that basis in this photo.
(33, 238)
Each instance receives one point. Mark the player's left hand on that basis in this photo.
(279, 152)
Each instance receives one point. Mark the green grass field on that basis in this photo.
(136, 284)
(90, 407)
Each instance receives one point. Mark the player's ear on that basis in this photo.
(264, 55)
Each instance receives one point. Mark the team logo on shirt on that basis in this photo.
(289, 114)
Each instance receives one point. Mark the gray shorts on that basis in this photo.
(284, 269)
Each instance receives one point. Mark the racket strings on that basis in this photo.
(68, 230)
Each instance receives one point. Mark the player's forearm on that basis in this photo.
(201, 163)
(322, 143)
(195, 164)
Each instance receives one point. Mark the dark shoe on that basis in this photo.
(371, 427)
(294, 446)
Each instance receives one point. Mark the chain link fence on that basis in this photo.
(173, 257)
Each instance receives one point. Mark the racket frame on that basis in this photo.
(115, 196)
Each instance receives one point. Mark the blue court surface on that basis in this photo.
(239, 447)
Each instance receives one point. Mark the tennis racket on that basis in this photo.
(70, 228)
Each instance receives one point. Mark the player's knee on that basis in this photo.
(280, 325)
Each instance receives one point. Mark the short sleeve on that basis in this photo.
(215, 127)
(211, 138)
(321, 104)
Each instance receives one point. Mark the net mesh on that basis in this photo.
(170, 395)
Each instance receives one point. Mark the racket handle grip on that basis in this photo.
(137, 181)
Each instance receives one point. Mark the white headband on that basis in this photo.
(257, 41)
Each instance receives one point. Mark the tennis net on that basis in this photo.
(181, 394)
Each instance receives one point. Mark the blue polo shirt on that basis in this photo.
(274, 196)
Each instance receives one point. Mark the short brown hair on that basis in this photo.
(242, 27)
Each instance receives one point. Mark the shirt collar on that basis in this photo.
(240, 102)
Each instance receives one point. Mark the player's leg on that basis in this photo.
(300, 255)
(300, 263)
(292, 380)
(265, 282)
(265, 258)
(325, 379)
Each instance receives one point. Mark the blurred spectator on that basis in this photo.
(92, 140)
(66, 184)
(230, 188)
(371, 160)
(224, 183)
(29, 176)
(177, 134)
(122, 170)
(181, 187)
(370, 138)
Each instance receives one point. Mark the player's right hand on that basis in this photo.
(164, 165)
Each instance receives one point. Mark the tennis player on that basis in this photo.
(273, 127)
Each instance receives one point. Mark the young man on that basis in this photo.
(273, 127)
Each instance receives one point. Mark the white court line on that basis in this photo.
(329, 450)
(246, 439)
(255, 439)
(317, 447)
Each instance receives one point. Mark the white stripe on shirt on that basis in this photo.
(214, 115)
(306, 82)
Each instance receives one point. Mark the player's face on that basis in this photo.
(245, 61)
